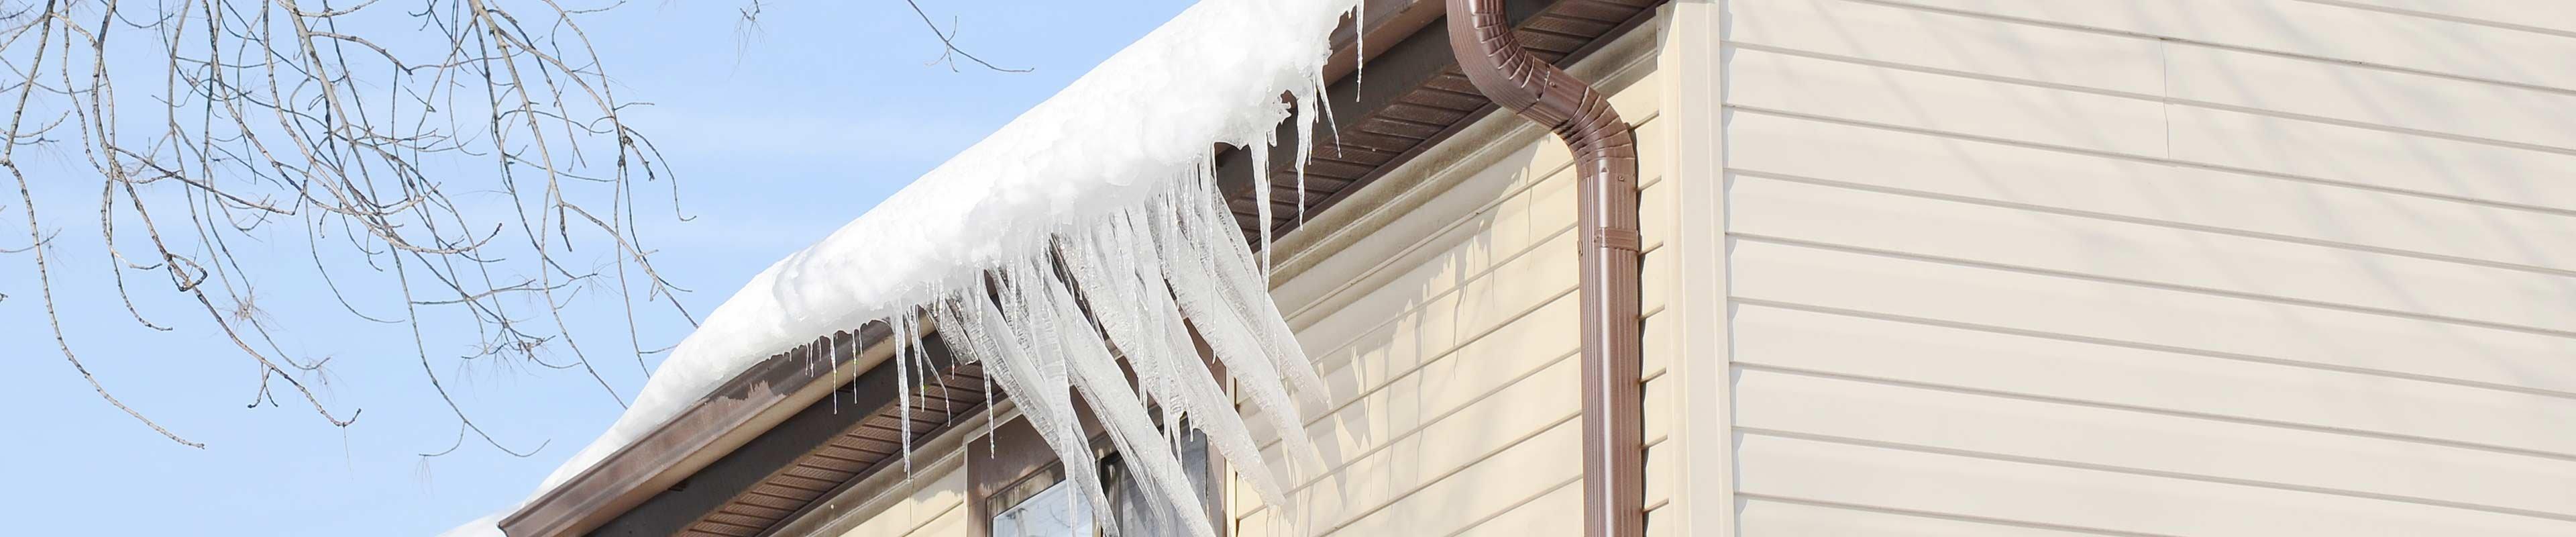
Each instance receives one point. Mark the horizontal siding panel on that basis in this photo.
(2309, 29)
(1500, 296)
(1534, 243)
(1455, 411)
(2151, 267)
(1770, 516)
(2136, 66)
(1660, 462)
(1545, 515)
(1661, 403)
(1384, 454)
(1662, 337)
(2154, 254)
(951, 524)
(1448, 339)
(1401, 246)
(2200, 198)
(2069, 497)
(1856, 92)
(2540, 15)
(2151, 318)
(1935, 40)
(2375, 158)
(1506, 235)
(2340, 91)
(2373, 96)
(1523, 196)
(1492, 485)
(2150, 442)
(1433, 323)
(2068, 371)
(922, 509)
(1511, 332)
(1655, 218)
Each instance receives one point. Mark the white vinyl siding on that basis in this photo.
(2151, 267)
(1449, 335)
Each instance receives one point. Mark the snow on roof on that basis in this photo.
(1131, 129)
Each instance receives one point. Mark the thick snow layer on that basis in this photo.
(1119, 159)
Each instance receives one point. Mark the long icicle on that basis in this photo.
(1229, 267)
(1156, 341)
(1200, 298)
(902, 326)
(1045, 399)
(1130, 428)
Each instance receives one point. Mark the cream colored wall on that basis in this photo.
(1445, 322)
(2170, 267)
(936, 507)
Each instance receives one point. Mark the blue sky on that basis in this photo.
(781, 138)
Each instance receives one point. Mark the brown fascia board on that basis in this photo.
(736, 412)
(777, 388)
(781, 455)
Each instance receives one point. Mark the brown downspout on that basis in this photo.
(1605, 156)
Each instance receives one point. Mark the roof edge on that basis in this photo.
(743, 408)
(765, 395)
(760, 398)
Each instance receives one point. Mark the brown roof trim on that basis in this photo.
(785, 471)
(937, 407)
(743, 408)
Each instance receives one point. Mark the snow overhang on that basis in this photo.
(1413, 97)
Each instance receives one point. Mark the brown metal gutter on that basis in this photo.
(1605, 156)
(743, 408)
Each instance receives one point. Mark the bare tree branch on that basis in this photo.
(948, 40)
(472, 167)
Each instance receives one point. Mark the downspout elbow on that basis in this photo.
(1605, 154)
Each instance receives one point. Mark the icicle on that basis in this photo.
(902, 326)
(1010, 360)
(1097, 374)
(1359, 46)
(1305, 154)
(1331, 125)
(1231, 273)
(931, 372)
(1147, 327)
(1199, 297)
(1261, 192)
(992, 444)
(834, 368)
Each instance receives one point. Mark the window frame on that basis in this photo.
(1013, 455)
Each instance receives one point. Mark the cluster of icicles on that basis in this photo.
(1133, 285)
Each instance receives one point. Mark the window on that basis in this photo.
(1045, 504)
(1057, 511)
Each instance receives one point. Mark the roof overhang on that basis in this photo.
(762, 423)
(744, 408)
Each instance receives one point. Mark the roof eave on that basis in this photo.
(742, 409)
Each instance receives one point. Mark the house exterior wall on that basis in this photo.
(1445, 322)
(2168, 267)
(935, 506)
